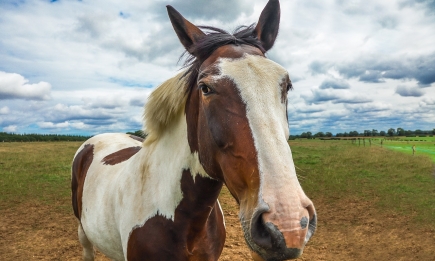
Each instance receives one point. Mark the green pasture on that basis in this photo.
(329, 171)
(36, 171)
(423, 145)
(337, 170)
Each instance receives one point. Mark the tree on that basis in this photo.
(309, 135)
(319, 134)
(353, 134)
(375, 132)
(382, 133)
(367, 133)
(391, 132)
(433, 131)
(328, 134)
(400, 132)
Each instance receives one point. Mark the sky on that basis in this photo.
(87, 67)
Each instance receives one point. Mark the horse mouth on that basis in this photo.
(279, 250)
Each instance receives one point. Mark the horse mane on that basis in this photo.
(167, 101)
(164, 104)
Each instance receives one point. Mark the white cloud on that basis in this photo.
(335, 96)
(51, 125)
(10, 128)
(5, 110)
(92, 64)
(15, 86)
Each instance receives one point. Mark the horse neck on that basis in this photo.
(175, 177)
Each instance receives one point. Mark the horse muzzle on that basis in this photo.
(275, 238)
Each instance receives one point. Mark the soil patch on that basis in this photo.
(348, 230)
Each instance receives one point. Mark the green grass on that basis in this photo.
(423, 145)
(36, 171)
(395, 181)
(331, 170)
(425, 139)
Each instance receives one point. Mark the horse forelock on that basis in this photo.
(215, 38)
(164, 104)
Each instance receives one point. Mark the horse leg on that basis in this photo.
(88, 248)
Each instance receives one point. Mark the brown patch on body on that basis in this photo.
(80, 168)
(134, 137)
(120, 155)
(197, 232)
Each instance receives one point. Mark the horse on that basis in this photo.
(221, 120)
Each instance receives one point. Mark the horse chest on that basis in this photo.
(164, 239)
(195, 231)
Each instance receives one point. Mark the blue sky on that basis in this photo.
(87, 67)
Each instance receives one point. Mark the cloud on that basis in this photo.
(317, 67)
(223, 10)
(427, 5)
(101, 59)
(51, 125)
(5, 110)
(428, 101)
(405, 91)
(335, 96)
(334, 83)
(10, 128)
(62, 113)
(15, 86)
(368, 107)
(420, 68)
(389, 22)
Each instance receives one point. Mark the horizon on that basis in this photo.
(430, 132)
(83, 68)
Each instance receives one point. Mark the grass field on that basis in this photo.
(373, 203)
(396, 182)
(423, 145)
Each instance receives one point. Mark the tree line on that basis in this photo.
(12, 137)
(367, 133)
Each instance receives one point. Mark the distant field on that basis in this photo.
(372, 203)
(423, 145)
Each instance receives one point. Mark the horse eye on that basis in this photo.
(205, 89)
(289, 86)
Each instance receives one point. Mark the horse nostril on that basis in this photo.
(304, 222)
(259, 232)
(266, 235)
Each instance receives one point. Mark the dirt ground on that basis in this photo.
(347, 230)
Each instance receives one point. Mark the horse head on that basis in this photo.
(236, 114)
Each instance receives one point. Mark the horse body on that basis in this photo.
(129, 184)
(222, 121)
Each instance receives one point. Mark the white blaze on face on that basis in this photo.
(258, 81)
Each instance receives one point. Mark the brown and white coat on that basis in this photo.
(227, 124)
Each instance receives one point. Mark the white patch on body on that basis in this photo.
(119, 198)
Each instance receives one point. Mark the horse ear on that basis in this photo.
(187, 32)
(268, 24)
